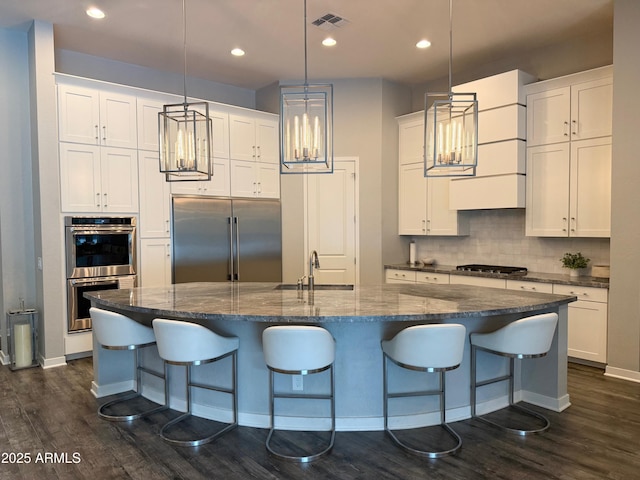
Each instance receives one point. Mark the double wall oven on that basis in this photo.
(100, 255)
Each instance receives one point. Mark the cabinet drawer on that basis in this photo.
(591, 294)
(478, 281)
(529, 286)
(430, 277)
(392, 275)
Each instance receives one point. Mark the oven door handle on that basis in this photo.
(93, 282)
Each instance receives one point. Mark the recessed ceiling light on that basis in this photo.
(237, 52)
(329, 42)
(95, 12)
(423, 44)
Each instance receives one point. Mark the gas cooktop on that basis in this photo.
(474, 267)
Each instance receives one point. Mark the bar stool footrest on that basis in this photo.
(302, 459)
(428, 454)
(517, 431)
(130, 417)
(192, 442)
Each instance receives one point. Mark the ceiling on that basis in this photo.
(377, 40)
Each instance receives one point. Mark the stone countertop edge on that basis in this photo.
(541, 277)
(261, 302)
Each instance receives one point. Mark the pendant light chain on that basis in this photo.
(306, 82)
(450, 44)
(184, 46)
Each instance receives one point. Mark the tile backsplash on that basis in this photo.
(497, 237)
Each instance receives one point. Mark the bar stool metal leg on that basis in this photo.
(311, 456)
(136, 394)
(441, 392)
(513, 405)
(209, 438)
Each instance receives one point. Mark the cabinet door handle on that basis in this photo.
(255, 189)
(104, 133)
(259, 187)
(254, 151)
(428, 225)
(168, 249)
(566, 129)
(573, 224)
(167, 222)
(259, 152)
(575, 127)
(105, 200)
(424, 225)
(97, 133)
(564, 220)
(98, 199)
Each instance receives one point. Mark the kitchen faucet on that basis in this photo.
(312, 264)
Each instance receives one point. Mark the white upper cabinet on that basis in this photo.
(95, 179)
(255, 179)
(148, 135)
(411, 140)
(575, 107)
(569, 156)
(254, 138)
(96, 117)
(155, 197)
(423, 204)
(569, 189)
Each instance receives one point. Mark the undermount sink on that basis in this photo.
(326, 286)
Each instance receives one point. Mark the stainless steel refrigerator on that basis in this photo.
(217, 240)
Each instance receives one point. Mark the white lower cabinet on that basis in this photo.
(478, 281)
(524, 286)
(399, 276)
(587, 322)
(431, 277)
(155, 262)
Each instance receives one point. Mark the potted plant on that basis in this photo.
(575, 262)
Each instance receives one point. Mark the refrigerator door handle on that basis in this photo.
(236, 276)
(230, 274)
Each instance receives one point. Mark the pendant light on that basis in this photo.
(185, 133)
(450, 128)
(306, 124)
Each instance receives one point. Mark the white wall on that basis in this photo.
(16, 209)
(572, 56)
(624, 307)
(83, 65)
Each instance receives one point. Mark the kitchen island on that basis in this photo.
(358, 319)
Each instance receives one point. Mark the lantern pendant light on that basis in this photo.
(306, 124)
(185, 133)
(450, 129)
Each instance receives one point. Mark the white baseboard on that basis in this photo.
(396, 422)
(630, 375)
(550, 403)
(52, 362)
(100, 391)
(4, 358)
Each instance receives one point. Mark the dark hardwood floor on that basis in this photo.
(48, 419)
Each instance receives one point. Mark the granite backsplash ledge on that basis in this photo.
(497, 237)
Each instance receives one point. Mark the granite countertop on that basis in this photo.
(264, 302)
(529, 276)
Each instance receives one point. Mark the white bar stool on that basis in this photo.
(529, 337)
(114, 331)
(426, 348)
(298, 350)
(188, 344)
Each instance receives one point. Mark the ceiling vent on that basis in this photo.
(330, 21)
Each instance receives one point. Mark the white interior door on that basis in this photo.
(331, 223)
